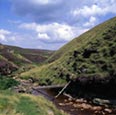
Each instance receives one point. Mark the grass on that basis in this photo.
(25, 104)
(91, 54)
(20, 60)
(6, 82)
(20, 56)
(15, 58)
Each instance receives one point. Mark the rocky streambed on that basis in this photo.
(72, 106)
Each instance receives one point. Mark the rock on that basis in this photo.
(80, 101)
(61, 104)
(97, 108)
(77, 106)
(50, 112)
(86, 106)
(101, 102)
(103, 113)
(108, 110)
(65, 100)
(35, 84)
(30, 80)
(85, 101)
(70, 99)
(70, 103)
(82, 109)
(96, 112)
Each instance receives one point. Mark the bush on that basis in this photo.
(6, 82)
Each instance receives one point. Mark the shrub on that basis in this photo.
(6, 82)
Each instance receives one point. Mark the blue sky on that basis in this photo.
(49, 24)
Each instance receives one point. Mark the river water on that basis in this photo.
(74, 107)
(63, 102)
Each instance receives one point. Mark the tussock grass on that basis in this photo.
(25, 104)
(91, 54)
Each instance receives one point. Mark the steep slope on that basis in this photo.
(93, 54)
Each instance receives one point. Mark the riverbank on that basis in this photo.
(72, 106)
(78, 106)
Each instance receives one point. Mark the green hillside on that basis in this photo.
(91, 54)
(25, 104)
(13, 58)
(20, 55)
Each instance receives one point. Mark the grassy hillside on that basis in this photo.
(89, 55)
(12, 57)
(24, 104)
(14, 54)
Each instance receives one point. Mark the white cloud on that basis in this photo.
(2, 37)
(97, 8)
(28, 26)
(15, 38)
(90, 11)
(92, 21)
(53, 32)
(56, 21)
(7, 36)
(12, 38)
(4, 34)
(43, 36)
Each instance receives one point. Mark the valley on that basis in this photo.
(87, 63)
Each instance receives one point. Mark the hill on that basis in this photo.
(25, 104)
(90, 56)
(12, 57)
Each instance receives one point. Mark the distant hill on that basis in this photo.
(91, 55)
(12, 57)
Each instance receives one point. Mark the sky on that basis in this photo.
(49, 24)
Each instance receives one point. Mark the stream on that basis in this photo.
(74, 107)
(66, 103)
